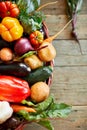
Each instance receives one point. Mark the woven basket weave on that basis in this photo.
(19, 125)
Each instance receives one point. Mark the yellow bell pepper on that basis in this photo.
(10, 29)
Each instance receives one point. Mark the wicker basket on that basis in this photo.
(19, 125)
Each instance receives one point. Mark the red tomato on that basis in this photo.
(8, 8)
(36, 38)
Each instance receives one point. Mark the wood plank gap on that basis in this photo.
(78, 105)
(70, 66)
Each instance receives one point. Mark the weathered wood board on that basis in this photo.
(70, 70)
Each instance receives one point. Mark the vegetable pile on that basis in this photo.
(26, 55)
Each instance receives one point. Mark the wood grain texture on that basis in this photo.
(60, 7)
(54, 9)
(69, 53)
(70, 70)
(56, 23)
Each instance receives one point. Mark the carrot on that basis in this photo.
(50, 39)
(17, 108)
(44, 5)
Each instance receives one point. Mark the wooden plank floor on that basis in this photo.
(70, 71)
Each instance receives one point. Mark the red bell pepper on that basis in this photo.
(13, 89)
(8, 8)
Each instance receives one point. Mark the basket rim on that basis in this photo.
(51, 63)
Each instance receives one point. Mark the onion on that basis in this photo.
(22, 46)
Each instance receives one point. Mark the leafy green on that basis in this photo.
(48, 109)
(58, 110)
(46, 123)
(79, 5)
(43, 106)
(31, 22)
(40, 107)
(30, 19)
(28, 5)
(74, 7)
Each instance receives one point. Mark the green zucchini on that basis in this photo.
(40, 74)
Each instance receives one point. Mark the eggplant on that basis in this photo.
(3, 44)
(18, 69)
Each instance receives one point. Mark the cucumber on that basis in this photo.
(40, 74)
